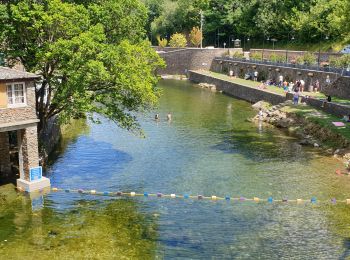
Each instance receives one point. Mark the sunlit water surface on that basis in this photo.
(208, 148)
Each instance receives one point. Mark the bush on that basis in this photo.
(340, 62)
(255, 56)
(306, 59)
(178, 40)
(237, 55)
(309, 58)
(162, 42)
(195, 36)
(277, 57)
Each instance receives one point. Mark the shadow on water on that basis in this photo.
(88, 164)
(267, 147)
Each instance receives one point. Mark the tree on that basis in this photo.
(178, 40)
(92, 58)
(196, 36)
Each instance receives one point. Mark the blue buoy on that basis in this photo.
(145, 194)
(227, 198)
(106, 193)
(186, 196)
(270, 199)
(313, 200)
(66, 190)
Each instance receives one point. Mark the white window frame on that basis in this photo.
(12, 85)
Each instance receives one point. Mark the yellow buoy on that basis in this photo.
(173, 195)
(299, 200)
(256, 199)
(54, 189)
(348, 201)
(213, 197)
(93, 191)
(132, 194)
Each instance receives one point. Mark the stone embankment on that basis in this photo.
(309, 133)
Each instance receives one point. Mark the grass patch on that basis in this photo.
(320, 118)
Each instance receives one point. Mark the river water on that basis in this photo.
(208, 148)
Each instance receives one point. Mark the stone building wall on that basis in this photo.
(240, 68)
(10, 115)
(29, 147)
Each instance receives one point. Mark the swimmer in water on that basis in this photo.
(168, 117)
(156, 117)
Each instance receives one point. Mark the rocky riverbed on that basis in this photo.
(309, 133)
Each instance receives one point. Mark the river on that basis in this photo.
(208, 148)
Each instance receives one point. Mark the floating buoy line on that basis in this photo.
(313, 200)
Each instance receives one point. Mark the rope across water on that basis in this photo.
(313, 200)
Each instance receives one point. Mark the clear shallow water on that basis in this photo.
(209, 148)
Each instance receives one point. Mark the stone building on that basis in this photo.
(18, 130)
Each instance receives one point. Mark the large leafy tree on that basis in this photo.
(92, 57)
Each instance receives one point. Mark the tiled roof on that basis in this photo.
(11, 74)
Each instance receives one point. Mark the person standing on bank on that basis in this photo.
(296, 98)
(168, 117)
(256, 73)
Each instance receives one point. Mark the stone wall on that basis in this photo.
(181, 60)
(243, 92)
(49, 138)
(292, 55)
(11, 115)
(29, 148)
(240, 68)
(5, 165)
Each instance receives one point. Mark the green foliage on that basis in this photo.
(237, 54)
(308, 21)
(196, 36)
(340, 62)
(162, 42)
(92, 58)
(178, 40)
(306, 59)
(255, 56)
(277, 57)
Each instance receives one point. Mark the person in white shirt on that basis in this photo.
(256, 73)
(280, 83)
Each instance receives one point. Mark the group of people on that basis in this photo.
(168, 117)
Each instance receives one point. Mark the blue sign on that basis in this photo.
(36, 173)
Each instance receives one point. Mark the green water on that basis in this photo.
(209, 148)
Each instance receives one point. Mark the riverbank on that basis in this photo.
(314, 128)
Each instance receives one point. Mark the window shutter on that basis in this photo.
(3, 95)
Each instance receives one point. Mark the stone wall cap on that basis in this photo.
(18, 125)
(12, 74)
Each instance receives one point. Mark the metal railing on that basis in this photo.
(345, 72)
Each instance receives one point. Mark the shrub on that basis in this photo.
(309, 58)
(255, 56)
(178, 40)
(277, 57)
(340, 62)
(237, 54)
(195, 36)
(306, 59)
(162, 42)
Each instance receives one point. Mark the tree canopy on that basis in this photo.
(308, 21)
(93, 57)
